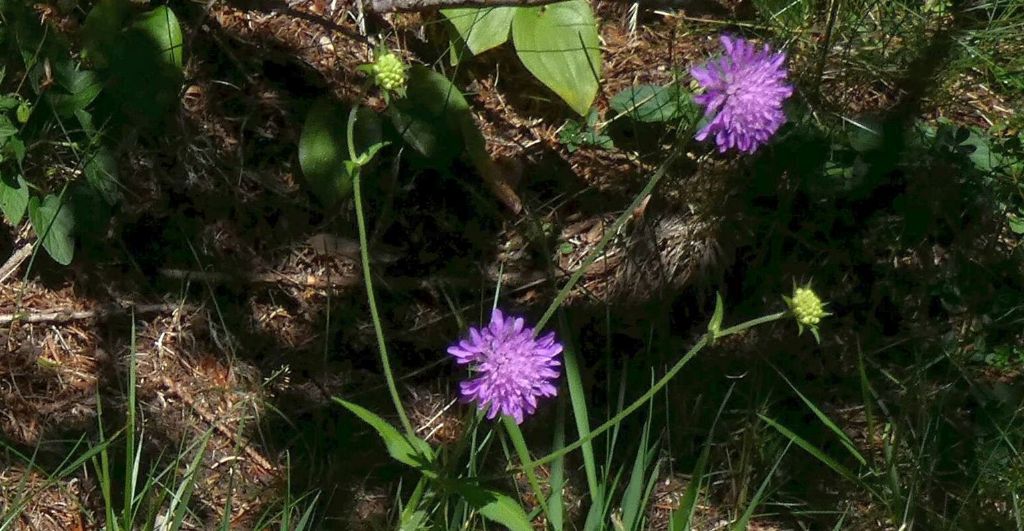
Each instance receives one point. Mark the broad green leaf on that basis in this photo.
(436, 121)
(145, 68)
(54, 224)
(409, 450)
(427, 118)
(323, 148)
(102, 28)
(652, 103)
(481, 28)
(163, 31)
(865, 134)
(495, 506)
(101, 172)
(981, 154)
(558, 43)
(13, 199)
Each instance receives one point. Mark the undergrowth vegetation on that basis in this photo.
(513, 267)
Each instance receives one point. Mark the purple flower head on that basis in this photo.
(743, 95)
(512, 367)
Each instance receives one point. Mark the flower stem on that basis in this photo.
(378, 329)
(640, 401)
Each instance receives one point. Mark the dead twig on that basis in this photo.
(66, 316)
(304, 281)
(390, 6)
(210, 419)
(12, 263)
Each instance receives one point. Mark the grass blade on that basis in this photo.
(811, 449)
(744, 520)
(682, 518)
(843, 438)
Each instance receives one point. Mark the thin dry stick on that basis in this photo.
(12, 263)
(306, 281)
(389, 6)
(210, 419)
(67, 316)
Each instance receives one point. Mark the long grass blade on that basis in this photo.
(682, 518)
(744, 521)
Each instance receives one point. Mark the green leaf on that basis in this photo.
(101, 29)
(101, 173)
(54, 224)
(652, 103)
(13, 199)
(9, 102)
(79, 89)
(558, 43)
(145, 68)
(428, 118)
(481, 28)
(13, 147)
(843, 437)
(811, 449)
(741, 524)
(574, 134)
(160, 26)
(981, 155)
(495, 506)
(715, 324)
(1016, 222)
(323, 148)
(7, 129)
(412, 451)
(865, 135)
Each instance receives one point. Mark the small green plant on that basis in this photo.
(575, 135)
(75, 110)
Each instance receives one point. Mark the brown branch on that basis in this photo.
(390, 6)
(66, 316)
(211, 419)
(300, 280)
(12, 263)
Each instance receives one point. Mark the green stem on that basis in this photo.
(751, 323)
(639, 402)
(519, 443)
(372, 300)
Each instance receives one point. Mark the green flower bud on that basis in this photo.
(23, 112)
(807, 308)
(388, 72)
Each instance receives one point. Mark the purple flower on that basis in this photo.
(743, 95)
(513, 368)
